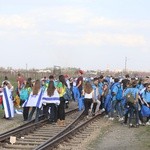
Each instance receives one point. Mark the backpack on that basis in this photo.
(130, 98)
(145, 111)
(24, 94)
(68, 94)
(119, 94)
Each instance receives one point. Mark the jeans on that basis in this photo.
(25, 113)
(53, 112)
(80, 91)
(134, 110)
(102, 100)
(96, 106)
(61, 109)
(32, 112)
(87, 105)
(116, 105)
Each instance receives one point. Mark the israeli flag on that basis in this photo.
(34, 100)
(8, 103)
(53, 99)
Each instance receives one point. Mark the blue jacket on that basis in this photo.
(134, 91)
(146, 96)
(114, 89)
(100, 87)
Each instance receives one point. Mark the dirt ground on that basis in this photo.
(6, 125)
(118, 137)
(110, 136)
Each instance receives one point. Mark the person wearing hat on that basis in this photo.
(79, 82)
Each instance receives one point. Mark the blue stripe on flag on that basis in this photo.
(25, 103)
(39, 99)
(51, 98)
(7, 103)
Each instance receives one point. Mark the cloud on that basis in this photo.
(98, 21)
(61, 25)
(57, 34)
(61, 14)
(145, 49)
(77, 16)
(38, 18)
(97, 39)
(122, 39)
(15, 21)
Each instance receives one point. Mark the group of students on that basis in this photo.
(43, 96)
(127, 99)
(124, 98)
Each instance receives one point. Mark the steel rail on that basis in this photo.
(49, 145)
(26, 128)
(67, 129)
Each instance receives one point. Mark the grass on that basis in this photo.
(98, 139)
(1, 113)
(143, 136)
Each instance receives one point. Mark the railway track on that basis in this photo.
(71, 140)
(44, 136)
(31, 135)
(10, 132)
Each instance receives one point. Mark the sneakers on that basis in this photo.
(87, 117)
(131, 125)
(111, 118)
(140, 123)
(143, 124)
(121, 119)
(90, 113)
(106, 116)
(102, 110)
(148, 123)
(18, 112)
(137, 125)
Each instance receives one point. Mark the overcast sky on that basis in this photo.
(89, 34)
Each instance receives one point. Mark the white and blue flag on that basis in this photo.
(51, 99)
(8, 102)
(34, 100)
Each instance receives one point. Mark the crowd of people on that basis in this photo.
(45, 96)
(126, 99)
(123, 98)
